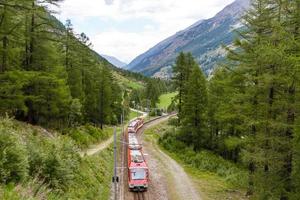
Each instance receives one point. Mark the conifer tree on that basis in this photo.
(180, 76)
(267, 102)
(194, 110)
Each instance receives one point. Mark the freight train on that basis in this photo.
(138, 172)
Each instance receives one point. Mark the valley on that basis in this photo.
(209, 111)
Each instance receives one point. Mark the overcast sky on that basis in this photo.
(127, 28)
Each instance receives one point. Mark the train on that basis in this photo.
(138, 171)
(135, 125)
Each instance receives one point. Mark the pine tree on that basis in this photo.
(180, 77)
(194, 110)
(264, 64)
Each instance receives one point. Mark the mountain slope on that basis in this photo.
(203, 39)
(116, 62)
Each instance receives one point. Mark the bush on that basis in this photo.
(31, 190)
(173, 121)
(50, 166)
(13, 157)
(152, 113)
(87, 135)
(61, 164)
(93, 178)
(53, 161)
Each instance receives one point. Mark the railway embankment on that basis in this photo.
(209, 184)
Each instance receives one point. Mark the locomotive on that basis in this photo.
(138, 172)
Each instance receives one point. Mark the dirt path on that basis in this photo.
(168, 179)
(144, 114)
(178, 183)
(93, 149)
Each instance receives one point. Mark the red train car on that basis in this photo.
(135, 125)
(138, 172)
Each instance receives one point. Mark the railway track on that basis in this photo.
(139, 196)
(125, 194)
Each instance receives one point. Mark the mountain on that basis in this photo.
(204, 40)
(116, 62)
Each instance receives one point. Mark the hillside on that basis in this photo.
(114, 61)
(204, 40)
(41, 164)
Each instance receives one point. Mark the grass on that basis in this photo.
(47, 165)
(134, 114)
(166, 99)
(211, 184)
(126, 83)
(87, 135)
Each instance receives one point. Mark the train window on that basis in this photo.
(138, 174)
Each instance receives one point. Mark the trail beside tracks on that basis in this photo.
(179, 185)
(96, 148)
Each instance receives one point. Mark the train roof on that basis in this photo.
(137, 159)
(136, 156)
(133, 142)
(133, 123)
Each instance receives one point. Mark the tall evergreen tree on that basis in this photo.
(180, 76)
(194, 110)
(267, 70)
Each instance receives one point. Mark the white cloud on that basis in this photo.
(169, 15)
(125, 45)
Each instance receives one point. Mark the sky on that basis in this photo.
(127, 28)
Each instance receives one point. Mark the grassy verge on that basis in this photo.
(165, 100)
(94, 180)
(87, 135)
(214, 177)
(133, 114)
(37, 164)
(127, 83)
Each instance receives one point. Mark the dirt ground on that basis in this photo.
(168, 179)
(94, 149)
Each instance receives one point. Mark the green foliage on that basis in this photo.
(13, 157)
(55, 162)
(94, 177)
(32, 190)
(48, 74)
(252, 100)
(149, 96)
(194, 110)
(204, 160)
(40, 165)
(165, 100)
(87, 135)
(191, 100)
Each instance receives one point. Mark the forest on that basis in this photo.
(50, 76)
(57, 97)
(247, 111)
(243, 117)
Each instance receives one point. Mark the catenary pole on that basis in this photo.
(115, 164)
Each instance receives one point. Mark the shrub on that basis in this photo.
(87, 135)
(31, 190)
(93, 178)
(152, 113)
(81, 138)
(13, 157)
(54, 161)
